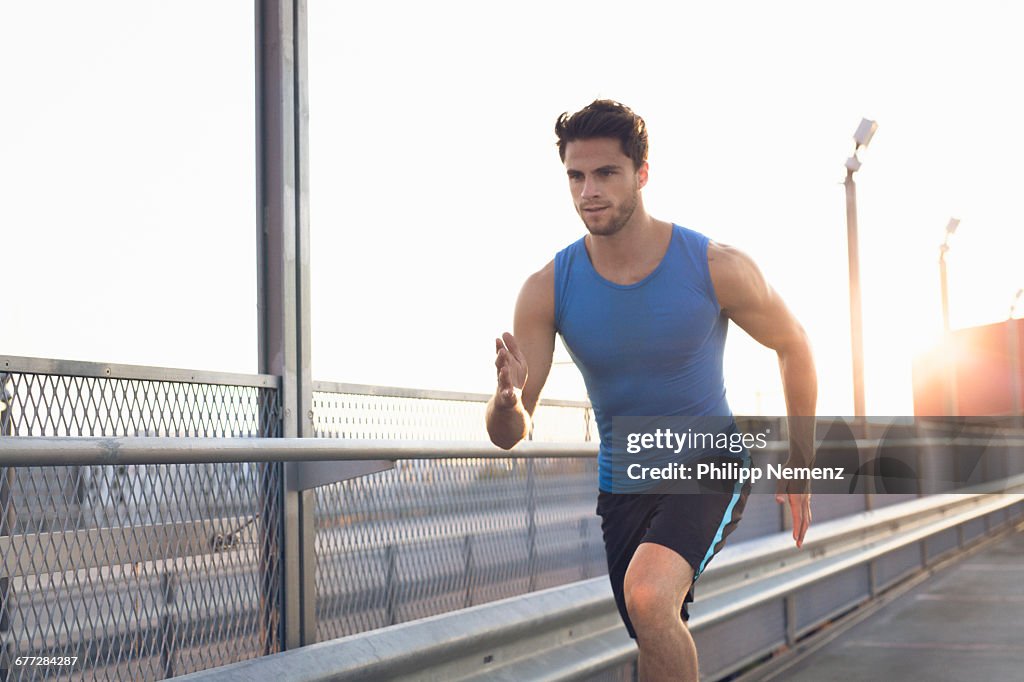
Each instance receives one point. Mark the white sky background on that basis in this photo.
(127, 225)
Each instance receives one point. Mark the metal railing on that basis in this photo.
(574, 632)
(127, 562)
(152, 555)
(125, 566)
(434, 575)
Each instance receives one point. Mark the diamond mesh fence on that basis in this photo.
(146, 572)
(137, 572)
(431, 536)
(132, 572)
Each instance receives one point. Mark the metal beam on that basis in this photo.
(19, 451)
(105, 370)
(283, 296)
(7, 526)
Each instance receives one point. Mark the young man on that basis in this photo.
(643, 306)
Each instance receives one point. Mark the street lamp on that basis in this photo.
(861, 138)
(951, 350)
(943, 249)
(1015, 368)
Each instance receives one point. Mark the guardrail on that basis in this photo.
(761, 586)
(59, 451)
(32, 451)
(573, 632)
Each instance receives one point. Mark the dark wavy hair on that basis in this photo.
(605, 118)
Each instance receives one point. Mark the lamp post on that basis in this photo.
(943, 249)
(861, 138)
(951, 351)
(1015, 368)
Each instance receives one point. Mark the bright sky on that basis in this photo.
(127, 222)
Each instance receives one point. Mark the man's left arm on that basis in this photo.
(749, 301)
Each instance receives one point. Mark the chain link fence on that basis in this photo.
(136, 572)
(150, 571)
(431, 536)
(142, 572)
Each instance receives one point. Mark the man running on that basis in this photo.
(643, 306)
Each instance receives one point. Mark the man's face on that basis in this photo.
(605, 187)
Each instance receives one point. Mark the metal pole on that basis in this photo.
(283, 279)
(168, 622)
(468, 570)
(952, 356)
(1015, 371)
(584, 548)
(945, 287)
(391, 585)
(1015, 365)
(856, 321)
(302, 327)
(7, 521)
(531, 524)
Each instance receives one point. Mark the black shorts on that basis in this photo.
(694, 526)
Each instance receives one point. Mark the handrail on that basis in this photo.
(15, 364)
(74, 450)
(63, 451)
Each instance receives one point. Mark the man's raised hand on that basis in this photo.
(512, 371)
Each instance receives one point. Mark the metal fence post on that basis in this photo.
(168, 621)
(468, 568)
(584, 548)
(531, 524)
(7, 521)
(789, 604)
(869, 505)
(282, 170)
(391, 585)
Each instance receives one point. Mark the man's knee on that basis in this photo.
(655, 584)
(652, 606)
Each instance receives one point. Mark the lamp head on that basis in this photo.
(953, 224)
(1013, 305)
(865, 131)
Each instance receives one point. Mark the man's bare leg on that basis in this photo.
(656, 583)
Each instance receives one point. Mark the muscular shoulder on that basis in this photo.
(537, 297)
(542, 280)
(736, 278)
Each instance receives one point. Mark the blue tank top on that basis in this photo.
(653, 348)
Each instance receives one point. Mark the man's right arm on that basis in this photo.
(523, 360)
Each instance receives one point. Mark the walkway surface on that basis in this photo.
(966, 623)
